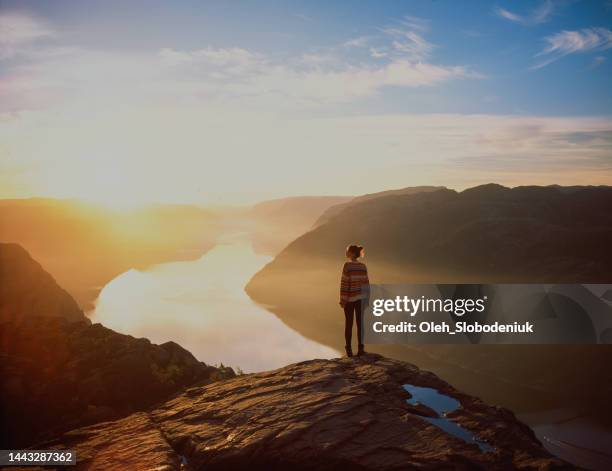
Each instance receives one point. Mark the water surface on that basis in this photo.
(202, 306)
(573, 437)
(443, 404)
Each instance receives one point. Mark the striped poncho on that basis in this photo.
(354, 284)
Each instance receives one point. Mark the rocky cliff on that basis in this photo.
(315, 415)
(28, 290)
(60, 372)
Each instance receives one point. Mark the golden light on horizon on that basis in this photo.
(184, 154)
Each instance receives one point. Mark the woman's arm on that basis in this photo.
(344, 286)
(365, 287)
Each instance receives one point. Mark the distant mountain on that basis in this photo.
(485, 234)
(277, 222)
(338, 208)
(352, 414)
(60, 372)
(84, 246)
(296, 208)
(26, 290)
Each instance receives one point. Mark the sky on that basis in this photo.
(128, 102)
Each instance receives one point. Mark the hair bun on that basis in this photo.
(355, 250)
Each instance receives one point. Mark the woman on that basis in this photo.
(354, 293)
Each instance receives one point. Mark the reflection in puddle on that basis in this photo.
(443, 404)
(202, 306)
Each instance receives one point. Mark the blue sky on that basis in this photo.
(436, 90)
(474, 34)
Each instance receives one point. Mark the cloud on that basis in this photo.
(19, 31)
(361, 41)
(415, 23)
(570, 42)
(192, 152)
(196, 115)
(244, 75)
(408, 40)
(534, 17)
(398, 57)
(377, 53)
(231, 61)
(598, 60)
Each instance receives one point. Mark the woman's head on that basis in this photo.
(355, 251)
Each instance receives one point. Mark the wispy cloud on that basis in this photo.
(378, 53)
(539, 15)
(399, 57)
(408, 38)
(232, 61)
(598, 60)
(240, 73)
(19, 31)
(361, 41)
(416, 23)
(570, 42)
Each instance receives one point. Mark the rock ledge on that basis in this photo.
(318, 414)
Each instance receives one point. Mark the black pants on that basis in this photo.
(350, 309)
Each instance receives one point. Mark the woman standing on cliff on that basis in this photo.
(354, 294)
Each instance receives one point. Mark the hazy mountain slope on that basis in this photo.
(60, 372)
(338, 208)
(27, 290)
(487, 233)
(277, 222)
(313, 415)
(484, 234)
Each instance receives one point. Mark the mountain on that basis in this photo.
(27, 290)
(486, 234)
(84, 245)
(316, 415)
(277, 222)
(60, 372)
(338, 208)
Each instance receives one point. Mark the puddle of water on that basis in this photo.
(442, 405)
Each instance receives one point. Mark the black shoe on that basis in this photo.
(349, 351)
(361, 351)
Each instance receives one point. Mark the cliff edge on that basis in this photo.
(316, 415)
(59, 371)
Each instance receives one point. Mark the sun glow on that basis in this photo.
(232, 125)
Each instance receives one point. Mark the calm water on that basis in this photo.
(202, 306)
(442, 405)
(577, 439)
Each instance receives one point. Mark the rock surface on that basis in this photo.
(319, 414)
